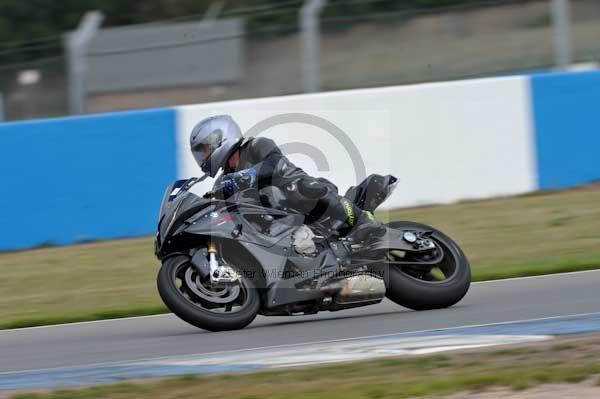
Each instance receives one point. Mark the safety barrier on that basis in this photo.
(102, 176)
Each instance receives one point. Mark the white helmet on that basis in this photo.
(212, 142)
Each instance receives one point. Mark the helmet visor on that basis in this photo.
(202, 152)
(204, 149)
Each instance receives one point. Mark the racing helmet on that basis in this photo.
(212, 142)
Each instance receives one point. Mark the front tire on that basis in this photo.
(408, 290)
(176, 293)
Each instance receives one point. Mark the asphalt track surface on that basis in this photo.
(149, 337)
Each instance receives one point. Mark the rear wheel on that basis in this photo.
(196, 301)
(441, 284)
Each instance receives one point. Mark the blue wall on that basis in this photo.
(566, 113)
(92, 177)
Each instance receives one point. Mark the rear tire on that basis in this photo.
(416, 294)
(195, 314)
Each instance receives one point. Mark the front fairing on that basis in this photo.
(234, 221)
(177, 205)
(184, 214)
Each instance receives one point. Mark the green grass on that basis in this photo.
(507, 237)
(78, 282)
(385, 378)
(515, 351)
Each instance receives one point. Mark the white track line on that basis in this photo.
(500, 280)
(82, 323)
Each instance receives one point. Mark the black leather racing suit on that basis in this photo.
(317, 198)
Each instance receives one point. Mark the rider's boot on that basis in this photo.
(366, 228)
(348, 220)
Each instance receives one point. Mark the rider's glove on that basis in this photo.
(234, 182)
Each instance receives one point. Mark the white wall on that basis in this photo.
(444, 141)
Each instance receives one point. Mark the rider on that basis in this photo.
(217, 142)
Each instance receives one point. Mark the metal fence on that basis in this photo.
(341, 52)
(585, 30)
(34, 89)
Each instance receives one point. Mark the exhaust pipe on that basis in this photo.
(356, 289)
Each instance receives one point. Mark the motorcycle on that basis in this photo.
(224, 261)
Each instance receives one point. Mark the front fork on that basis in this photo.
(219, 274)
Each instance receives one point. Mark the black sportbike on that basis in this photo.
(225, 261)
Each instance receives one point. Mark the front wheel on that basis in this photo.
(194, 300)
(432, 287)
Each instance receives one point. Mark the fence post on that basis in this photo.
(309, 24)
(213, 11)
(77, 43)
(561, 18)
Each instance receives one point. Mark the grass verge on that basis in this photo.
(544, 233)
(516, 369)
